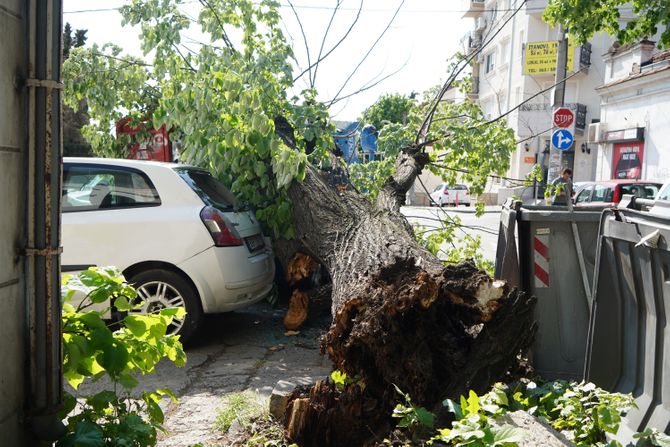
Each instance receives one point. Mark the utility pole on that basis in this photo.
(556, 156)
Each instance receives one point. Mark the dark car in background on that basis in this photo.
(610, 192)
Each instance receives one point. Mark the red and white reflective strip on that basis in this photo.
(541, 258)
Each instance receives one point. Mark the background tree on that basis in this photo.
(74, 144)
(399, 316)
(583, 18)
(389, 108)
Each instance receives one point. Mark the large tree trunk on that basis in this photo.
(399, 316)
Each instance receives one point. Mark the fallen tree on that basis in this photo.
(400, 317)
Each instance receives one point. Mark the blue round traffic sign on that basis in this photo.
(562, 139)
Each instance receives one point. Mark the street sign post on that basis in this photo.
(562, 139)
(564, 118)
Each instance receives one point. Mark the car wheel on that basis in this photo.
(160, 289)
(467, 204)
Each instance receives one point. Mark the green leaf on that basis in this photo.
(454, 408)
(101, 400)
(425, 417)
(114, 359)
(507, 434)
(136, 325)
(86, 434)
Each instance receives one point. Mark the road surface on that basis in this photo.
(485, 226)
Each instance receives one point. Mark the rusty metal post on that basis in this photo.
(42, 220)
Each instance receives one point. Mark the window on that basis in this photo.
(490, 63)
(494, 12)
(91, 187)
(210, 190)
(585, 195)
(504, 52)
(644, 191)
(602, 193)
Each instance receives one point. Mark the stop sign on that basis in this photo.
(563, 117)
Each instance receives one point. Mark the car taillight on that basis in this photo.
(616, 198)
(218, 227)
(446, 192)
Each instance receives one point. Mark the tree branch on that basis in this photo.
(367, 86)
(323, 41)
(351, 27)
(224, 35)
(304, 39)
(388, 25)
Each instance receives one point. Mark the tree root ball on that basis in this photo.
(434, 333)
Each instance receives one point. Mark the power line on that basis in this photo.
(425, 126)
(330, 8)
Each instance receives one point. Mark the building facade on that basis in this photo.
(634, 131)
(514, 73)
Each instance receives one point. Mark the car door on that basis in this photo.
(584, 196)
(602, 194)
(113, 215)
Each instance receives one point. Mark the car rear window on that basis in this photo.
(641, 190)
(209, 189)
(461, 188)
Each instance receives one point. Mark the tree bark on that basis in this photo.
(399, 316)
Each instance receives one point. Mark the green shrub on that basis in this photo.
(93, 349)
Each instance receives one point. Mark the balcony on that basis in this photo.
(473, 8)
(536, 7)
(471, 42)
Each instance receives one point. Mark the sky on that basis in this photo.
(423, 35)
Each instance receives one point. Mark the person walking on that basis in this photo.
(562, 188)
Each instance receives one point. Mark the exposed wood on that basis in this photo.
(399, 316)
(297, 310)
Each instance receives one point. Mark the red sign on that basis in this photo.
(627, 160)
(563, 117)
(156, 147)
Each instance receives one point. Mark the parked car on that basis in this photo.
(450, 195)
(664, 192)
(610, 192)
(175, 232)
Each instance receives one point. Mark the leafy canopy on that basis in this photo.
(221, 99)
(389, 108)
(583, 18)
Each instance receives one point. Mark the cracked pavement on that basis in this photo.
(243, 350)
(237, 351)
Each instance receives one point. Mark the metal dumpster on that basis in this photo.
(549, 252)
(629, 337)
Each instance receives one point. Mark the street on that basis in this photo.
(485, 226)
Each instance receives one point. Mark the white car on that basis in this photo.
(664, 192)
(173, 230)
(450, 195)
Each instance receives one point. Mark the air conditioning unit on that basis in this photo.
(596, 131)
(475, 39)
(480, 23)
